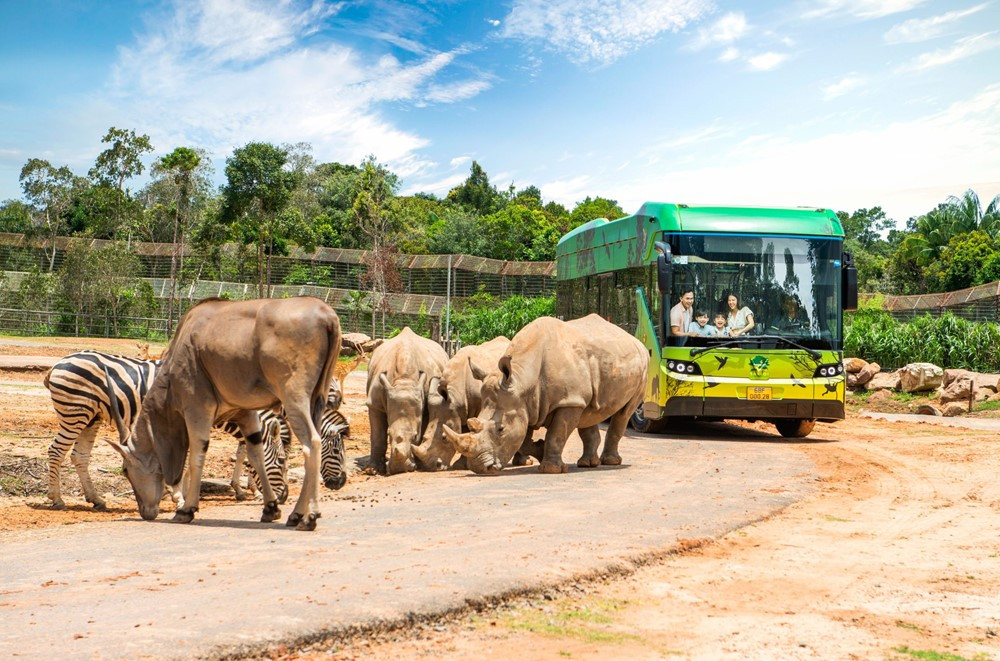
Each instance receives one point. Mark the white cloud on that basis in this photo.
(864, 9)
(229, 72)
(963, 48)
(453, 92)
(459, 161)
(598, 30)
(569, 191)
(494, 22)
(922, 29)
(906, 167)
(848, 83)
(766, 61)
(729, 54)
(723, 32)
(439, 187)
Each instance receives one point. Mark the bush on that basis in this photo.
(947, 341)
(482, 324)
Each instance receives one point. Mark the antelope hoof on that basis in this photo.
(293, 519)
(308, 524)
(271, 512)
(99, 506)
(553, 468)
(58, 505)
(241, 495)
(185, 515)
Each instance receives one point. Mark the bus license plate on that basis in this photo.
(758, 393)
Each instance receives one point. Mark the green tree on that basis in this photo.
(49, 190)
(258, 189)
(456, 232)
(964, 261)
(519, 233)
(76, 281)
(967, 214)
(372, 216)
(179, 164)
(15, 217)
(116, 279)
(119, 163)
(476, 193)
(589, 209)
(336, 225)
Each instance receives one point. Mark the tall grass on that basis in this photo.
(947, 341)
(493, 318)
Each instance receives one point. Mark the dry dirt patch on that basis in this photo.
(896, 554)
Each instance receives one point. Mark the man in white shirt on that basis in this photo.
(681, 315)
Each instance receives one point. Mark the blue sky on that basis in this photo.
(833, 103)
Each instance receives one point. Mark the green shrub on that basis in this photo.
(947, 341)
(482, 324)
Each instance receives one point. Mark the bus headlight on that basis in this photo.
(683, 367)
(833, 369)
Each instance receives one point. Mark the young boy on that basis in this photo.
(700, 324)
(720, 325)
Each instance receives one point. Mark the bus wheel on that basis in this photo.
(794, 428)
(646, 425)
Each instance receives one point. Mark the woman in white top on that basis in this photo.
(740, 319)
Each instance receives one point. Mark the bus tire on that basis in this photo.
(794, 428)
(646, 425)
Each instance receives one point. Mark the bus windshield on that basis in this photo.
(789, 285)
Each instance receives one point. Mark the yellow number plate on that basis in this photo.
(758, 393)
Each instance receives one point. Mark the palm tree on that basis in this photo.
(182, 163)
(968, 214)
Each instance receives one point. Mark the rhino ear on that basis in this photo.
(464, 443)
(477, 373)
(474, 425)
(442, 388)
(504, 366)
(434, 395)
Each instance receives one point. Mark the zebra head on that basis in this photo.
(333, 429)
(140, 462)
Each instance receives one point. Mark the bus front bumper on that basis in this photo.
(681, 406)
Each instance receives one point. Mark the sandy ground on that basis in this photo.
(897, 555)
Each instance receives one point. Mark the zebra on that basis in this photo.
(78, 387)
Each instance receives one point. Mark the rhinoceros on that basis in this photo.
(561, 376)
(399, 375)
(454, 398)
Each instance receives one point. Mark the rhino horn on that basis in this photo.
(384, 380)
(463, 442)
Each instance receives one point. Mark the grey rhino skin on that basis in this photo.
(399, 376)
(561, 375)
(454, 398)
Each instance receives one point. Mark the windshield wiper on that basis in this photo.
(815, 355)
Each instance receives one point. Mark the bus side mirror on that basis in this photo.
(849, 283)
(664, 267)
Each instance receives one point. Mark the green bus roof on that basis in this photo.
(628, 241)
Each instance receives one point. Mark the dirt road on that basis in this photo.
(890, 549)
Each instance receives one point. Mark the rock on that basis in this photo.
(354, 340)
(952, 409)
(884, 381)
(879, 396)
(854, 365)
(867, 372)
(920, 377)
(958, 390)
(994, 398)
(371, 345)
(983, 394)
(927, 409)
(980, 380)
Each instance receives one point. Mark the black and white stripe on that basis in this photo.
(77, 384)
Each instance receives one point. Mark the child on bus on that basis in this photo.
(719, 327)
(700, 324)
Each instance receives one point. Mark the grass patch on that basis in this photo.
(907, 625)
(565, 620)
(931, 655)
(987, 406)
(830, 517)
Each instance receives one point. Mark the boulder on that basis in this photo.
(927, 409)
(980, 380)
(884, 381)
(994, 398)
(371, 345)
(959, 390)
(983, 394)
(879, 396)
(854, 365)
(353, 340)
(867, 372)
(920, 377)
(952, 409)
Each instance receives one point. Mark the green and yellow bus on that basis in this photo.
(787, 266)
